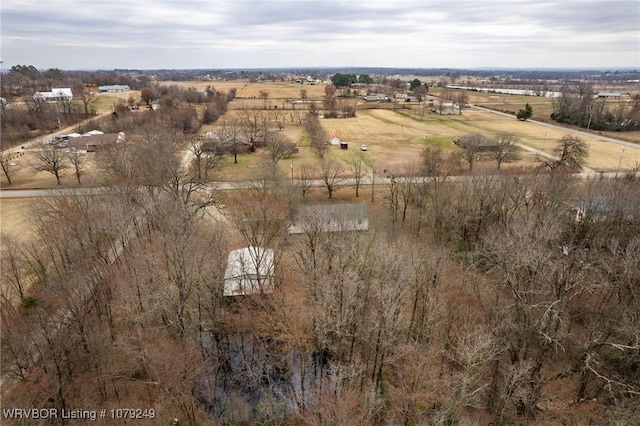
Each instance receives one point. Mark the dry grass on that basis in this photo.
(15, 219)
(24, 177)
(247, 90)
(106, 101)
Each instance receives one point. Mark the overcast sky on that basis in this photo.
(151, 34)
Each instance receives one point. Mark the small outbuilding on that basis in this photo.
(95, 142)
(249, 271)
(477, 142)
(347, 217)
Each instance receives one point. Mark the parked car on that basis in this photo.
(363, 147)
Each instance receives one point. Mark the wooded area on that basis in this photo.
(465, 302)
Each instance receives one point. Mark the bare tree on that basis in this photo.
(232, 133)
(571, 152)
(329, 100)
(317, 135)
(373, 173)
(264, 95)
(358, 167)
(78, 162)
(462, 99)
(471, 147)
(13, 267)
(305, 177)
(196, 146)
(254, 124)
(278, 146)
(88, 98)
(506, 149)
(5, 162)
(50, 159)
(330, 172)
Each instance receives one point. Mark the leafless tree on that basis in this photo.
(462, 99)
(317, 135)
(506, 149)
(196, 147)
(571, 152)
(471, 149)
(232, 133)
(331, 174)
(359, 168)
(278, 146)
(13, 267)
(372, 171)
(329, 100)
(255, 124)
(204, 160)
(305, 177)
(5, 162)
(266, 181)
(50, 159)
(88, 98)
(264, 95)
(78, 161)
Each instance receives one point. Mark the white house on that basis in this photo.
(249, 271)
(56, 94)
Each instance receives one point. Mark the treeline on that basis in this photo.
(37, 116)
(481, 301)
(579, 106)
(23, 81)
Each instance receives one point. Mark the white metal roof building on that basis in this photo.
(114, 88)
(249, 271)
(56, 93)
(330, 218)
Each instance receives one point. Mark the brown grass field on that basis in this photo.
(15, 219)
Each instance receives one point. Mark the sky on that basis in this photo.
(220, 34)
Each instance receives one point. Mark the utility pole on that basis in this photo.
(620, 161)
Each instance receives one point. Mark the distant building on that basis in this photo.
(477, 142)
(615, 95)
(116, 88)
(346, 217)
(94, 142)
(602, 209)
(56, 94)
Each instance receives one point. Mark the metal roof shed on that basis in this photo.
(249, 271)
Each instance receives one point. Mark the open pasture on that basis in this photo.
(248, 90)
(397, 137)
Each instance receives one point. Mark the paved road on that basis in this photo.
(230, 186)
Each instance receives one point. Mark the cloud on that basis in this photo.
(253, 33)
